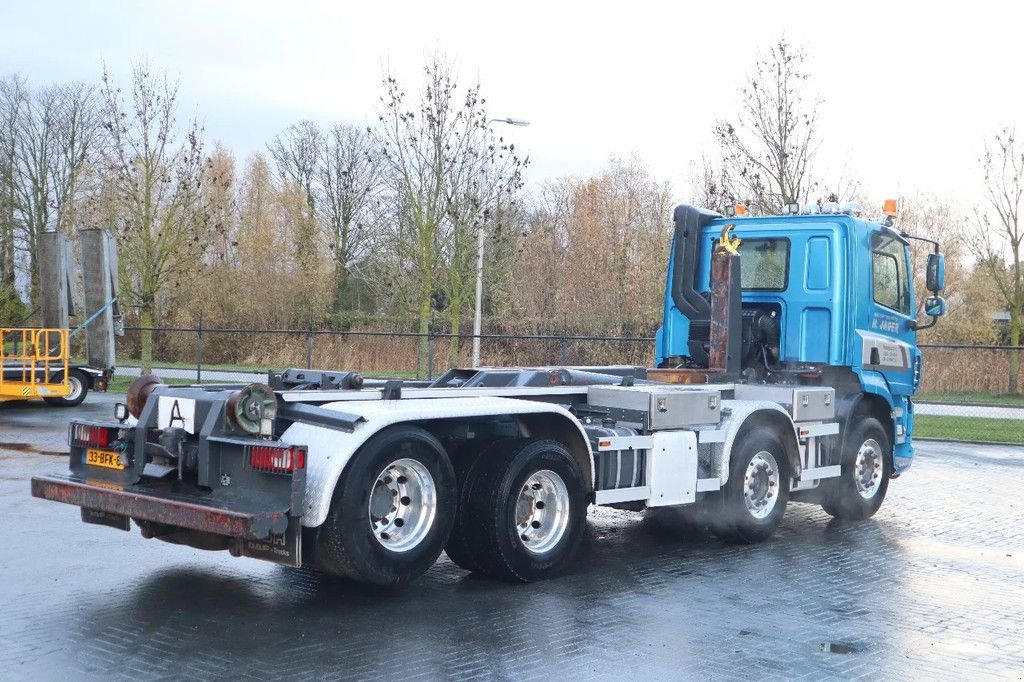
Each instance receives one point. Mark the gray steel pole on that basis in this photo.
(479, 295)
(480, 258)
(199, 350)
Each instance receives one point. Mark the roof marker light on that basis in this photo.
(851, 208)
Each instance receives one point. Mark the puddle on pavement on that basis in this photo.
(29, 447)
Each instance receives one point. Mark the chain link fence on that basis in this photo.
(965, 392)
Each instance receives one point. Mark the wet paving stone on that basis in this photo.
(929, 588)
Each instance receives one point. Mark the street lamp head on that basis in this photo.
(511, 121)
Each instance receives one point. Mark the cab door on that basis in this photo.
(889, 338)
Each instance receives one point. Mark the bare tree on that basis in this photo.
(218, 205)
(338, 173)
(768, 150)
(298, 155)
(48, 142)
(77, 136)
(444, 171)
(479, 195)
(349, 182)
(938, 218)
(997, 243)
(35, 152)
(710, 186)
(156, 178)
(13, 96)
(615, 224)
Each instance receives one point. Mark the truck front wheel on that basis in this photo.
(392, 510)
(522, 511)
(754, 499)
(866, 466)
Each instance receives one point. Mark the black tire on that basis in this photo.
(486, 532)
(857, 495)
(348, 545)
(458, 547)
(734, 520)
(79, 385)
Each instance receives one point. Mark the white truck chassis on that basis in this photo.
(497, 467)
(673, 473)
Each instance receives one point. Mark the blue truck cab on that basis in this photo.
(827, 298)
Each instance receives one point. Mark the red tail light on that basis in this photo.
(92, 436)
(277, 460)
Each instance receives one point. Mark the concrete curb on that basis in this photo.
(969, 442)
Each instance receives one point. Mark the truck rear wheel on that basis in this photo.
(392, 510)
(866, 466)
(754, 499)
(522, 511)
(458, 548)
(78, 385)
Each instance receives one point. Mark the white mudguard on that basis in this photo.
(329, 450)
(741, 411)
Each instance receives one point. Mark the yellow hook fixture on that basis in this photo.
(729, 243)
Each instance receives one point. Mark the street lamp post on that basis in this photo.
(477, 317)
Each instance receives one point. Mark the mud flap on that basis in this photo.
(285, 549)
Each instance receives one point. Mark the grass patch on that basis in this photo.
(394, 375)
(119, 384)
(973, 398)
(261, 369)
(969, 428)
(157, 364)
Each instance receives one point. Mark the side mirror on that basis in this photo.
(935, 274)
(935, 306)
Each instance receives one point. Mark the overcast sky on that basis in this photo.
(911, 90)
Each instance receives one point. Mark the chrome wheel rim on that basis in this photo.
(761, 484)
(868, 468)
(403, 504)
(542, 511)
(75, 388)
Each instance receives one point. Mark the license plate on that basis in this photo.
(103, 458)
(103, 518)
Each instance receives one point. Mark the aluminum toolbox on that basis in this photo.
(654, 408)
(805, 403)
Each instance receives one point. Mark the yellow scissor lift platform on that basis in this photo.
(34, 364)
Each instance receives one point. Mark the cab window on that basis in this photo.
(889, 273)
(764, 265)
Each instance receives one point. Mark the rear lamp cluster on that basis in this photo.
(92, 436)
(277, 460)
